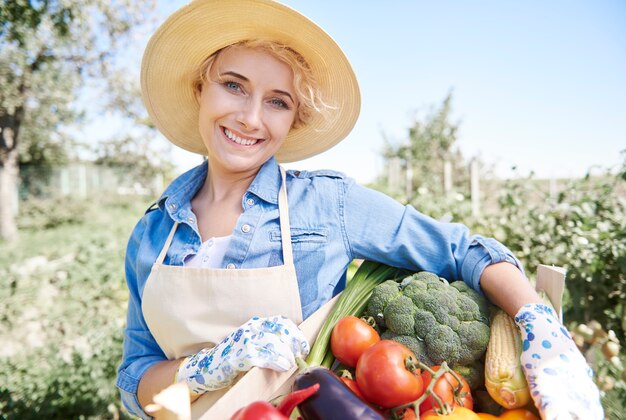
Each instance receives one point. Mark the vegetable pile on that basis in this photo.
(417, 352)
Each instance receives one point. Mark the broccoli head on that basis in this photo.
(380, 298)
(399, 315)
(449, 320)
(483, 304)
(474, 374)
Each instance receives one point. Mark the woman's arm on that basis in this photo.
(381, 229)
(507, 287)
(157, 378)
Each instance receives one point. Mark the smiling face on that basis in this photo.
(247, 107)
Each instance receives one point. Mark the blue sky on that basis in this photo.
(539, 85)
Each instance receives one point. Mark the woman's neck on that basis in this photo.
(217, 205)
(222, 187)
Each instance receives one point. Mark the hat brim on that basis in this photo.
(197, 30)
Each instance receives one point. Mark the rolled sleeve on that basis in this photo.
(129, 398)
(134, 365)
(481, 253)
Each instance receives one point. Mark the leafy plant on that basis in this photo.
(64, 301)
(583, 229)
(39, 214)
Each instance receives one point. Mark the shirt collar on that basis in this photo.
(267, 182)
(179, 193)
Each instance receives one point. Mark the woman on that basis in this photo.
(250, 84)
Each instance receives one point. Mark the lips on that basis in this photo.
(242, 140)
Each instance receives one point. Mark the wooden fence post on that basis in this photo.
(475, 188)
(82, 180)
(552, 189)
(408, 190)
(447, 177)
(394, 172)
(64, 180)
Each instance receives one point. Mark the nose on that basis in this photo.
(251, 115)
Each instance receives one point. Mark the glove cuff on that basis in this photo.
(181, 376)
(533, 312)
(177, 375)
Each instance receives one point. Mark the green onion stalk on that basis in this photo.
(352, 301)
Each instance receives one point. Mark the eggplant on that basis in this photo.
(333, 400)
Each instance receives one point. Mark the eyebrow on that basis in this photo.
(245, 79)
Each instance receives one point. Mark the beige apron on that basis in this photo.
(189, 308)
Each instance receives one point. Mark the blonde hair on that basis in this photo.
(308, 93)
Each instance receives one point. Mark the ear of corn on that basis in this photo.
(504, 377)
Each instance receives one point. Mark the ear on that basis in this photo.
(198, 92)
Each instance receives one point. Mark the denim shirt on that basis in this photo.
(333, 221)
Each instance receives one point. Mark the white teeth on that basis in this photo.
(239, 140)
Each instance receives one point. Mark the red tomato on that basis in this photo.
(406, 414)
(351, 336)
(444, 389)
(518, 414)
(458, 413)
(351, 383)
(383, 377)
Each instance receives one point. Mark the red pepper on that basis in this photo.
(262, 410)
(290, 401)
(259, 410)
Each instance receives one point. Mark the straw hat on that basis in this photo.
(197, 30)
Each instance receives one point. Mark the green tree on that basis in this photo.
(133, 152)
(47, 49)
(430, 146)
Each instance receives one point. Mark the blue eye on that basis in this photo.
(230, 85)
(279, 103)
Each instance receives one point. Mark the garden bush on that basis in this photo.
(581, 227)
(64, 305)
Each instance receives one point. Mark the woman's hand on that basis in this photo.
(560, 379)
(272, 343)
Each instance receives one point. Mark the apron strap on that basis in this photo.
(168, 242)
(283, 213)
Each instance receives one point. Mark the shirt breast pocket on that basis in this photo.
(304, 239)
(309, 254)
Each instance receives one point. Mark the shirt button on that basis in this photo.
(250, 201)
(190, 220)
(209, 242)
(246, 228)
(172, 206)
(231, 266)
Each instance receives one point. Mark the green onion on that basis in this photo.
(352, 301)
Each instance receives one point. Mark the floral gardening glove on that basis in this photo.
(559, 378)
(272, 343)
